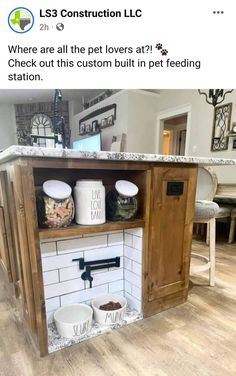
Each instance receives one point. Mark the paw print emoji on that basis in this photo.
(164, 52)
(159, 46)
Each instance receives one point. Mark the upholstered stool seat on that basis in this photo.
(205, 209)
(224, 211)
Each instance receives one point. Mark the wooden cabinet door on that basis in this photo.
(7, 228)
(4, 251)
(170, 236)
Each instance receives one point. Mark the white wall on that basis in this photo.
(136, 116)
(120, 126)
(142, 110)
(7, 126)
(201, 127)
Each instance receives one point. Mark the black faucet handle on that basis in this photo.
(90, 282)
(89, 277)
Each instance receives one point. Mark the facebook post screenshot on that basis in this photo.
(117, 188)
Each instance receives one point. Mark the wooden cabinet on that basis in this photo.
(7, 255)
(165, 216)
(166, 269)
(4, 251)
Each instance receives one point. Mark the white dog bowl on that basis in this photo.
(74, 320)
(109, 317)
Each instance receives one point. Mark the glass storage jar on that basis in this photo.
(55, 206)
(122, 202)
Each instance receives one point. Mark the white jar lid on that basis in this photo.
(88, 182)
(126, 188)
(57, 189)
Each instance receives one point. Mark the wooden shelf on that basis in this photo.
(75, 230)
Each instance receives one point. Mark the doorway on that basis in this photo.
(173, 130)
(174, 135)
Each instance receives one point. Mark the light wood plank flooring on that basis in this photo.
(197, 338)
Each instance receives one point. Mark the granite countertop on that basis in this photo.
(16, 151)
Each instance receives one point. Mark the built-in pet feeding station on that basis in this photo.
(100, 273)
(92, 270)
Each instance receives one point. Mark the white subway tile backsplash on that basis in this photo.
(114, 232)
(133, 254)
(60, 261)
(50, 317)
(99, 271)
(121, 292)
(138, 243)
(62, 277)
(73, 245)
(82, 296)
(136, 268)
(64, 288)
(48, 249)
(132, 278)
(127, 263)
(116, 286)
(93, 234)
(128, 239)
(52, 304)
(70, 273)
(50, 277)
(136, 292)
(68, 245)
(135, 231)
(133, 302)
(103, 253)
(115, 239)
(128, 286)
(106, 277)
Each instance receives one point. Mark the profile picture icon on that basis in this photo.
(21, 20)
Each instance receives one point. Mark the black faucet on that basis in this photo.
(86, 276)
(96, 265)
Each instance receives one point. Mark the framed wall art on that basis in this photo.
(97, 120)
(221, 125)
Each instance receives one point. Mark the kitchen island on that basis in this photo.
(162, 231)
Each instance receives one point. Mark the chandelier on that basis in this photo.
(215, 96)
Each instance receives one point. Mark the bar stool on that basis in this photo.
(232, 226)
(224, 212)
(205, 212)
(206, 188)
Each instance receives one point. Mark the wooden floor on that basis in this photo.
(197, 338)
